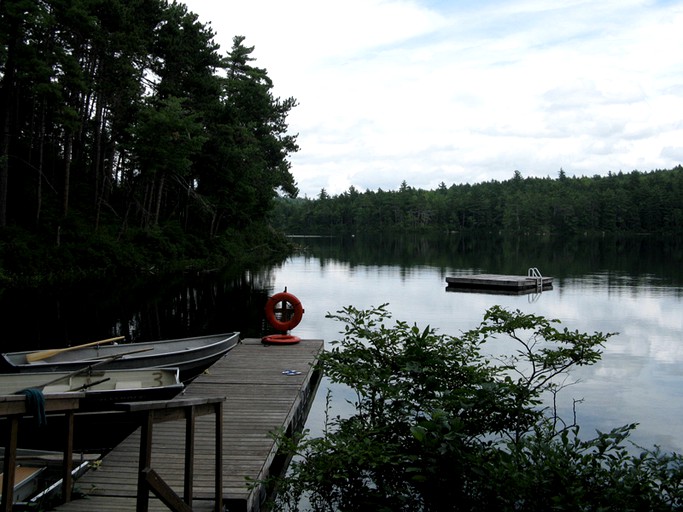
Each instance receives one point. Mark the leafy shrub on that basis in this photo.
(437, 426)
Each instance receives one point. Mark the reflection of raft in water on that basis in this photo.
(496, 283)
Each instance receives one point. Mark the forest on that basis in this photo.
(628, 203)
(129, 140)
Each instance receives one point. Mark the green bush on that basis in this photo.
(437, 426)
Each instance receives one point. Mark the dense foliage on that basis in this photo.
(122, 123)
(633, 202)
(438, 426)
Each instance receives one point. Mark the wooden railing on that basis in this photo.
(148, 479)
(13, 408)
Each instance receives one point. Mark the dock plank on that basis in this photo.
(259, 399)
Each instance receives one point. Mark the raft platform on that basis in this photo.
(496, 283)
(257, 389)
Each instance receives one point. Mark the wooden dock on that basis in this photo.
(259, 399)
(497, 283)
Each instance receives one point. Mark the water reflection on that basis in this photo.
(144, 310)
(630, 286)
(640, 378)
(635, 256)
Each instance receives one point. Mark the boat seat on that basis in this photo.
(57, 388)
(128, 384)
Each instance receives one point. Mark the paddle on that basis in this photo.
(89, 367)
(117, 356)
(44, 354)
(91, 384)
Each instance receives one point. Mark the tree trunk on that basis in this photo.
(7, 94)
(41, 157)
(68, 146)
(98, 162)
(4, 163)
(158, 206)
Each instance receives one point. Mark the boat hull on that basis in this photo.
(100, 388)
(190, 355)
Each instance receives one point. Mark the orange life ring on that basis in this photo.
(297, 311)
(280, 339)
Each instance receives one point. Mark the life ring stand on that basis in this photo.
(286, 304)
(280, 339)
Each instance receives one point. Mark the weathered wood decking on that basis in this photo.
(259, 400)
(496, 283)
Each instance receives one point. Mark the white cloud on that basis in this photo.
(427, 91)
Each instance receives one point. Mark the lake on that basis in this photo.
(632, 286)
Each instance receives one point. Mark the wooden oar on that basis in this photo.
(91, 384)
(119, 355)
(44, 354)
(89, 367)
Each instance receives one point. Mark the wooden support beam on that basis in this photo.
(9, 465)
(162, 491)
(218, 407)
(189, 454)
(161, 411)
(68, 460)
(142, 501)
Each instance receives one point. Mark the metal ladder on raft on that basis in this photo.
(535, 274)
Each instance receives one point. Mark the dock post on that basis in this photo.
(218, 407)
(142, 501)
(67, 461)
(10, 464)
(189, 454)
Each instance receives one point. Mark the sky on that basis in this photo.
(454, 92)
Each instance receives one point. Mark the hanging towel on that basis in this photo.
(35, 404)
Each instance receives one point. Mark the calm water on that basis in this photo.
(633, 287)
(640, 377)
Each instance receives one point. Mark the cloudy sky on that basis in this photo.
(454, 91)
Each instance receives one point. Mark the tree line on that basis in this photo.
(635, 202)
(123, 116)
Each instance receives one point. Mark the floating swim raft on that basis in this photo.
(533, 281)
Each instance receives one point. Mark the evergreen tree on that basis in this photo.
(245, 161)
